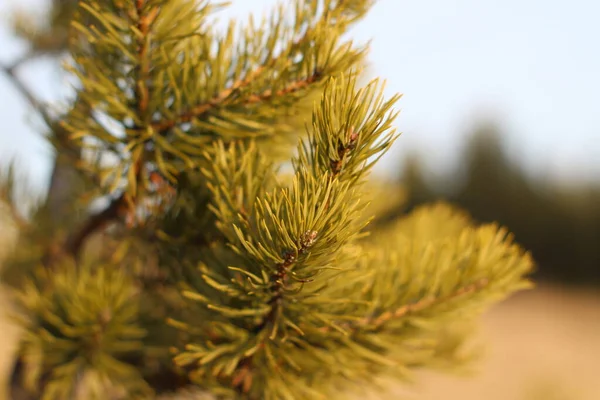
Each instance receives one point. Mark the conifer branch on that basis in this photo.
(342, 151)
(242, 380)
(124, 203)
(221, 99)
(119, 206)
(292, 87)
(144, 24)
(377, 322)
(153, 68)
(280, 277)
(202, 109)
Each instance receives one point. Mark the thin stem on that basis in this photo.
(94, 223)
(16, 216)
(377, 321)
(120, 206)
(74, 242)
(219, 100)
(10, 72)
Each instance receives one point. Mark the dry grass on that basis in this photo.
(541, 345)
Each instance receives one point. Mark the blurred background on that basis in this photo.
(500, 117)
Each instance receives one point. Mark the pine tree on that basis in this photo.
(238, 254)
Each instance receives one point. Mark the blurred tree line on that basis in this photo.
(560, 225)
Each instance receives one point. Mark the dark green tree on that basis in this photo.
(233, 257)
(558, 223)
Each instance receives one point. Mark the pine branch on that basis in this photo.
(426, 303)
(342, 151)
(144, 24)
(242, 380)
(124, 203)
(119, 206)
(221, 99)
(320, 172)
(294, 86)
(280, 278)
(202, 109)
(376, 322)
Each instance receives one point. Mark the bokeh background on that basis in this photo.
(500, 115)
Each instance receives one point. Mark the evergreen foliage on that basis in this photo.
(211, 267)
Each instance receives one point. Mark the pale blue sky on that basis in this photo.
(533, 65)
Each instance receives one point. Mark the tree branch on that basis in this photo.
(121, 205)
(74, 242)
(52, 124)
(15, 215)
(219, 100)
(10, 72)
(279, 279)
(377, 321)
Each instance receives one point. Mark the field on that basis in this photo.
(541, 345)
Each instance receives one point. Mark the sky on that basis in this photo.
(532, 66)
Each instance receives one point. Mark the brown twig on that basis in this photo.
(120, 206)
(343, 150)
(280, 277)
(94, 223)
(426, 303)
(10, 72)
(144, 23)
(279, 280)
(16, 216)
(75, 241)
(201, 109)
(218, 100)
(376, 322)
